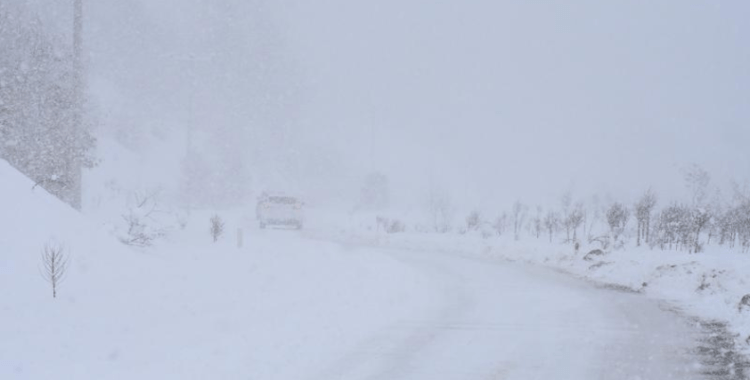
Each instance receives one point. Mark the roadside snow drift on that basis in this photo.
(276, 309)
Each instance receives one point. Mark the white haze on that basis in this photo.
(490, 101)
(524, 99)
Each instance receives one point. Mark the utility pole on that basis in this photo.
(77, 31)
(74, 168)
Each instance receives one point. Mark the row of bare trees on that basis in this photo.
(704, 217)
(688, 226)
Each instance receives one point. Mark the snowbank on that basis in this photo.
(280, 307)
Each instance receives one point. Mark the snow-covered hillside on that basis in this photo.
(274, 309)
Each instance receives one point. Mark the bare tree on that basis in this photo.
(696, 181)
(551, 221)
(519, 214)
(617, 218)
(672, 225)
(593, 217)
(716, 209)
(575, 219)
(374, 192)
(700, 219)
(473, 220)
(501, 223)
(54, 265)
(390, 226)
(217, 227)
(440, 209)
(584, 219)
(643, 210)
(566, 201)
(537, 223)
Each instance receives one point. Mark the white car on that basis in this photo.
(279, 210)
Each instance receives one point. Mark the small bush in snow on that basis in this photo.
(390, 226)
(603, 241)
(54, 265)
(744, 302)
(473, 220)
(217, 227)
(617, 218)
(593, 254)
(140, 220)
(501, 224)
(396, 226)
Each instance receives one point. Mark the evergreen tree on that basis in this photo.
(43, 133)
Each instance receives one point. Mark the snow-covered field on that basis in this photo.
(275, 309)
(318, 305)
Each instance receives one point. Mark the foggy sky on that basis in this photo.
(491, 101)
(523, 99)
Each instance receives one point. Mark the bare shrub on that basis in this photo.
(217, 227)
(519, 215)
(551, 222)
(441, 211)
(142, 226)
(566, 201)
(696, 180)
(674, 229)
(54, 265)
(744, 302)
(501, 224)
(617, 219)
(390, 226)
(572, 217)
(575, 219)
(643, 210)
(604, 241)
(537, 223)
(473, 220)
(395, 226)
(593, 254)
(700, 218)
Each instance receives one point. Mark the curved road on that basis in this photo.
(509, 321)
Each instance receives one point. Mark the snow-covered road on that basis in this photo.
(509, 321)
(289, 306)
